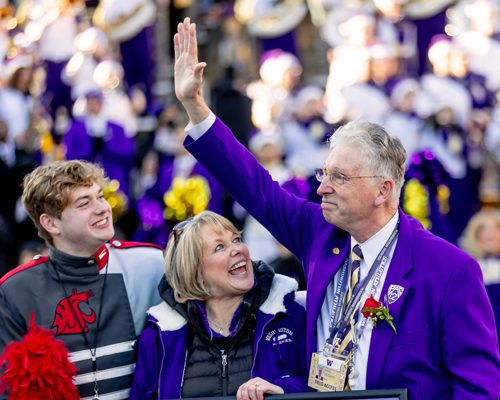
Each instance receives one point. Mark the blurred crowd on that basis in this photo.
(92, 80)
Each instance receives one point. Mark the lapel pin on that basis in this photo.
(394, 293)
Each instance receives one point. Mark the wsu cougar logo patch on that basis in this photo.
(69, 319)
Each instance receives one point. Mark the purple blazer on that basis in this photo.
(446, 345)
(117, 155)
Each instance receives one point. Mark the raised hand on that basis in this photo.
(188, 74)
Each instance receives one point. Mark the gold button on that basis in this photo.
(335, 250)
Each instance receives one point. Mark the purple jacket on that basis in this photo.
(117, 156)
(446, 345)
(278, 346)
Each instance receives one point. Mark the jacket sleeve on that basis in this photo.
(12, 328)
(296, 382)
(145, 383)
(286, 216)
(293, 384)
(469, 338)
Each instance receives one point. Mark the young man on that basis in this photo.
(444, 344)
(92, 291)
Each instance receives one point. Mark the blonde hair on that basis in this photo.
(184, 255)
(48, 188)
(469, 240)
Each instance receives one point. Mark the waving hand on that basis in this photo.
(188, 75)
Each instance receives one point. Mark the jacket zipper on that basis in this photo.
(183, 373)
(257, 342)
(224, 372)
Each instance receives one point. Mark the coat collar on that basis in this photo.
(169, 319)
(275, 302)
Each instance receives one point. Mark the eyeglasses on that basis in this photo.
(338, 178)
(179, 228)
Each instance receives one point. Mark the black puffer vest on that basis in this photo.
(214, 368)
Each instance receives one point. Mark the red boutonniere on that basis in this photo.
(377, 311)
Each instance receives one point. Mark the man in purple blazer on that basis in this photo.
(445, 345)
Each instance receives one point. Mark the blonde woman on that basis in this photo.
(227, 325)
(481, 239)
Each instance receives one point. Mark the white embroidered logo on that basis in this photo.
(280, 336)
(394, 293)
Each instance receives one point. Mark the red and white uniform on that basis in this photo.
(133, 273)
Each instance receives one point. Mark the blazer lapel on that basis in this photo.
(328, 262)
(393, 295)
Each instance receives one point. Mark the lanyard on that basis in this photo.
(93, 351)
(339, 320)
(339, 296)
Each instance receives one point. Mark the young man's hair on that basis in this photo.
(48, 188)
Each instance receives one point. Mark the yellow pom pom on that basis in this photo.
(443, 195)
(116, 199)
(416, 202)
(114, 185)
(46, 143)
(186, 198)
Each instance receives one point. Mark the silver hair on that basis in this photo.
(384, 153)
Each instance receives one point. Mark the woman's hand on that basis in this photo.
(188, 72)
(255, 388)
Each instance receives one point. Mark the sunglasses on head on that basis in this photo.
(179, 228)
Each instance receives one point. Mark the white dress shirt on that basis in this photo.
(370, 249)
(198, 130)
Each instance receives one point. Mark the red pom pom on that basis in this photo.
(38, 367)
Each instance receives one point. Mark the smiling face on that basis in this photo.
(85, 223)
(226, 267)
(488, 236)
(354, 201)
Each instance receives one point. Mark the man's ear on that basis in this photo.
(385, 192)
(49, 223)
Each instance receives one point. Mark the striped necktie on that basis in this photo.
(356, 258)
(347, 344)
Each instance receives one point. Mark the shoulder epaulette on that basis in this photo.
(38, 259)
(118, 244)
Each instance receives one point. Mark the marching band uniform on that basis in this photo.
(120, 276)
(107, 144)
(130, 24)
(56, 46)
(154, 228)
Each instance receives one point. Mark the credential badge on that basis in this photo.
(394, 293)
